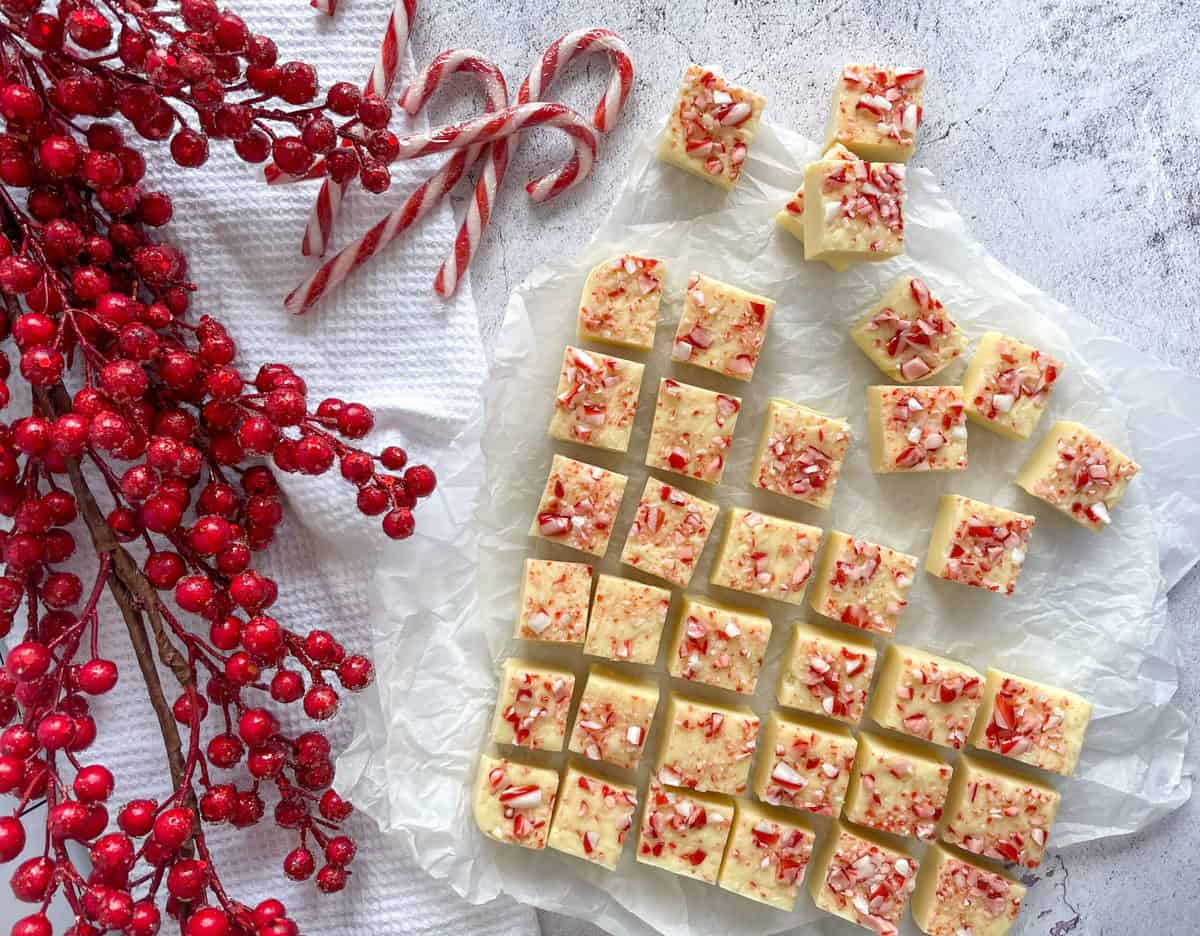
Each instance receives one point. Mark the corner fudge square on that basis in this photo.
(554, 601)
(579, 505)
(876, 111)
(927, 696)
(917, 429)
(692, 431)
(800, 453)
(706, 746)
(614, 717)
(597, 400)
(1007, 385)
(1076, 472)
(711, 127)
(854, 212)
(859, 876)
(826, 673)
(978, 544)
(532, 706)
(592, 818)
(627, 620)
(767, 853)
(513, 801)
(956, 895)
(765, 555)
(803, 765)
(684, 832)
(620, 302)
(861, 584)
(897, 787)
(718, 645)
(722, 328)
(669, 533)
(908, 334)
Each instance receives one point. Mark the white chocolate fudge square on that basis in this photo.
(1031, 722)
(684, 832)
(956, 894)
(826, 673)
(593, 817)
(977, 544)
(876, 111)
(722, 328)
(513, 802)
(718, 645)
(711, 127)
(579, 505)
(791, 218)
(596, 400)
(692, 431)
(998, 813)
(861, 584)
(706, 746)
(800, 453)
(853, 212)
(926, 696)
(907, 334)
(614, 717)
(1075, 471)
(627, 620)
(917, 429)
(803, 766)
(668, 533)
(858, 876)
(765, 555)
(531, 710)
(767, 853)
(554, 601)
(1007, 385)
(897, 787)
(620, 302)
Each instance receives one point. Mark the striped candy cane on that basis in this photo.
(387, 64)
(548, 68)
(328, 7)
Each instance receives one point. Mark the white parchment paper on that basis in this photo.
(1089, 612)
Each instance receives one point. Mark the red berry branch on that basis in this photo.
(135, 403)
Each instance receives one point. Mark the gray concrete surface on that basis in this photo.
(1066, 132)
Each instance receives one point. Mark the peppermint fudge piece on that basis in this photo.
(711, 127)
(800, 453)
(592, 818)
(977, 544)
(917, 429)
(791, 218)
(1032, 722)
(668, 533)
(684, 832)
(531, 710)
(1007, 385)
(620, 302)
(692, 431)
(765, 555)
(908, 334)
(826, 673)
(554, 601)
(956, 895)
(876, 111)
(722, 328)
(1077, 472)
(861, 584)
(706, 747)
(579, 505)
(627, 621)
(897, 787)
(513, 802)
(597, 400)
(767, 853)
(804, 766)
(718, 645)
(928, 697)
(615, 712)
(853, 212)
(999, 813)
(860, 877)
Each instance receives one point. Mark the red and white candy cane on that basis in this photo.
(548, 68)
(328, 7)
(419, 203)
(387, 64)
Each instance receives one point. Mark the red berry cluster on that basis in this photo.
(134, 394)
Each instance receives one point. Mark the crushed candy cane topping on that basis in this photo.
(714, 122)
(988, 551)
(868, 586)
(935, 703)
(721, 328)
(621, 301)
(1029, 724)
(1087, 478)
(869, 884)
(766, 555)
(597, 399)
(1016, 378)
(924, 428)
(880, 103)
(966, 897)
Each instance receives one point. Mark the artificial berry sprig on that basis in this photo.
(137, 403)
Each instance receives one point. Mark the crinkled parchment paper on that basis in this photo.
(1089, 613)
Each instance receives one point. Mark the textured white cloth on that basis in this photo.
(386, 341)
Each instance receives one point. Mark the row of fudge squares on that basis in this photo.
(748, 848)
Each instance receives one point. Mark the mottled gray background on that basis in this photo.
(1068, 134)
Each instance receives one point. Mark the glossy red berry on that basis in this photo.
(173, 827)
(299, 864)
